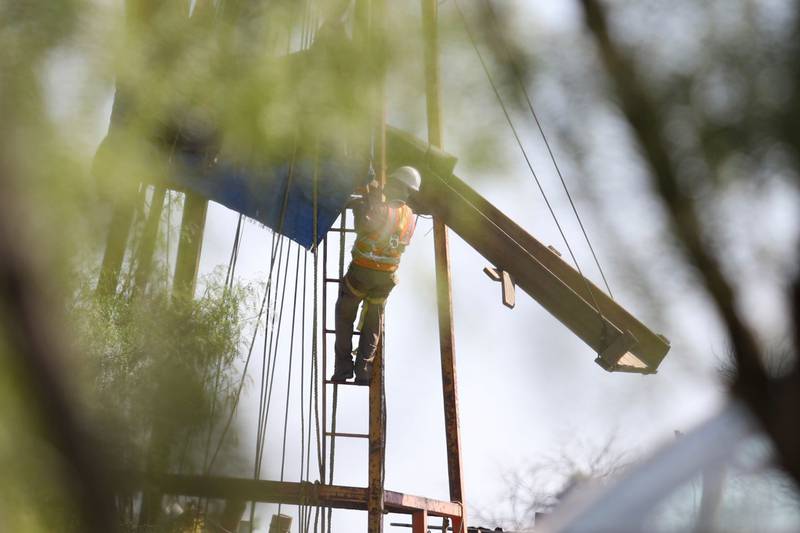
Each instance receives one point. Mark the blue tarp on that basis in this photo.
(260, 192)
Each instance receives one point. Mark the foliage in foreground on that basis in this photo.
(159, 370)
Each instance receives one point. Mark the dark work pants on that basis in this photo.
(373, 286)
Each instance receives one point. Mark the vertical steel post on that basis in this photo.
(122, 219)
(442, 251)
(377, 442)
(117, 240)
(144, 259)
(419, 522)
(377, 396)
(190, 245)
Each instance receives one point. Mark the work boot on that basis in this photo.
(342, 370)
(363, 372)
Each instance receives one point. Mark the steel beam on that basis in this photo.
(288, 493)
(538, 269)
(573, 299)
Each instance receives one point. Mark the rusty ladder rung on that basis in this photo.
(333, 332)
(347, 435)
(351, 383)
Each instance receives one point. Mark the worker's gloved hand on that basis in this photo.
(374, 194)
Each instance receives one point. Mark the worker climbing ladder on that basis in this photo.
(330, 393)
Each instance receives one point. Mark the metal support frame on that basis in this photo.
(506, 285)
(442, 251)
(190, 245)
(289, 493)
(116, 242)
(377, 441)
(419, 521)
(144, 256)
(377, 395)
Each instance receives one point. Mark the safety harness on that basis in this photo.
(367, 301)
(381, 249)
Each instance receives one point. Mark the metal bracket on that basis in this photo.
(507, 285)
(610, 358)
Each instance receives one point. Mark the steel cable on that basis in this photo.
(527, 159)
(518, 76)
(229, 275)
(269, 338)
(274, 247)
(289, 372)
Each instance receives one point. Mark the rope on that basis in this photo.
(266, 358)
(213, 410)
(238, 395)
(518, 76)
(269, 341)
(307, 37)
(527, 159)
(303, 471)
(271, 363)
(315, 333)
(289, 373)
(303, 453)
(229, 276)
(315, 330)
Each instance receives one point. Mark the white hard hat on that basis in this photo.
(408, 176)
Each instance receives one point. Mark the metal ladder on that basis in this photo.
(330, 429)
(377, 402)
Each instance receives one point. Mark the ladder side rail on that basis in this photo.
(377, 441)
(324, 360)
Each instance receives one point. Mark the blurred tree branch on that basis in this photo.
(32, 336)
(773, 401)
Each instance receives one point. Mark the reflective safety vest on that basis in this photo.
(381, 248)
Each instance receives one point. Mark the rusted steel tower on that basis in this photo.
(621, 342)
